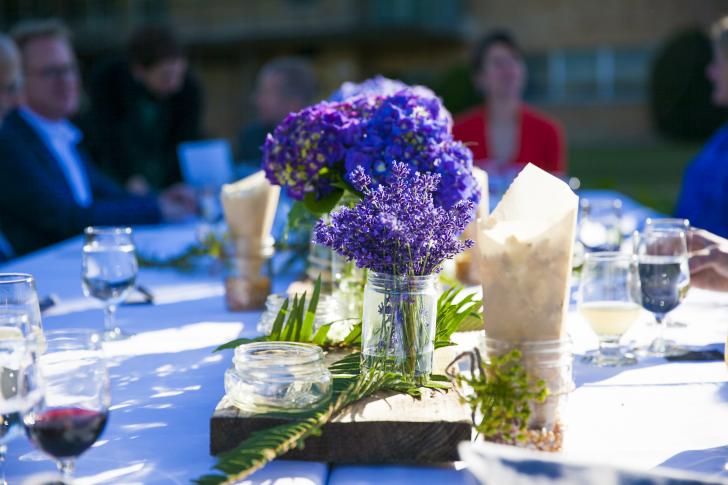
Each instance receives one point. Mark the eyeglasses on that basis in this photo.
(53, 73)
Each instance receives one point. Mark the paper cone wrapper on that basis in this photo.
(525, 248)
(466, 264)
(250, 206)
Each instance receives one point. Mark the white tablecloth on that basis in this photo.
(166, 382)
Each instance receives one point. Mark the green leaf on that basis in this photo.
(502, 394)
(310, 317)
(288, 329)
(325, 204)
(238, 342)
(452, 311)
(354, 336)
(275, 333)
(321, 335)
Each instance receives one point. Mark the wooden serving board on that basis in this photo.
(385, 428)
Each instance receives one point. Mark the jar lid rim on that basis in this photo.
(277, 354)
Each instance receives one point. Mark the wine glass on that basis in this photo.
(670, 222)
(15, 360)
(74, 408)
(109, 271)
(19, 307)
(600, 224)
(662, 259)
(609, 300)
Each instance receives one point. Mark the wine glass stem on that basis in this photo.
(110, 318)
(609, 348)
(660, 319)
(66, 468)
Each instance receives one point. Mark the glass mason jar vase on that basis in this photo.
(398, 324)
(348, 285)
(552, 362)
(339, 278)
(249, 273)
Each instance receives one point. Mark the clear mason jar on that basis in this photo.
(552, 362)
(327, 311)
(277, 376)
(398, 324)
(348, 285)
(249, 274)
(339, 277)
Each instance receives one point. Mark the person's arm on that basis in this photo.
(708, 261)
(43, 202)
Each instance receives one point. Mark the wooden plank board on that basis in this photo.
(385, 428)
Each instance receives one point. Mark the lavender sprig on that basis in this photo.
(397, 228)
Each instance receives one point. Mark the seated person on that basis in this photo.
(284, 85)
(49, 190)
(9, 76)
(9, 99)
(505, 131)
(708, 261)
(142, 107)
(704, 194)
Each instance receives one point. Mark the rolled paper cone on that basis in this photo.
(250, 206)
(466, 264)
(524, 250)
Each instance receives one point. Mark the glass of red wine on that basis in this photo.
(73, 411)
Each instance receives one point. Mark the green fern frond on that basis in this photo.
(261, 447)
(452, 312)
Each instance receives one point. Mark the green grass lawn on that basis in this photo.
(650, 173)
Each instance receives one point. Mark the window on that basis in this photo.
(584, 76)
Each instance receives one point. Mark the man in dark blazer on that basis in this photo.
(49, 190)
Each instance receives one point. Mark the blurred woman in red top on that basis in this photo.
(505, 132)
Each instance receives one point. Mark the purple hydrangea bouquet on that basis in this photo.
(399, 233)
(312, 153)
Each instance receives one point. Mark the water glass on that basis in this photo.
(610, 301)
(600, 223)
(662, 258)
(15, 361)
(73, 411)
(670, 222)
(109, 271)
(19, 308)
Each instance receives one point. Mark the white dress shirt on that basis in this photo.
(61, 138)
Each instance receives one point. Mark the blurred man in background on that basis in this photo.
(49, 190)
(9, 100)
(9, 76)
(142, 107)
(284, 85)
